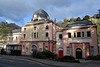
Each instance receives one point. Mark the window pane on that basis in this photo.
(88, 34)
(78, 34)
(23, 48)
(91, 50)
(24, 36)
(47, 34)
(68, 50)
(34, 28)
(47, 27)
(60, 36)
(69, 35)
(82, 34)
(34, 35)
(24, 29)
(74, 34)
(46, 47)
(37, 34)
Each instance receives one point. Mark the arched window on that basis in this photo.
(34, 28)
(46, 47)
(23, 48)
(46, 35)
(47, 27)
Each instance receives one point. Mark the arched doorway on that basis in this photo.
(33, 49)
(79, 53)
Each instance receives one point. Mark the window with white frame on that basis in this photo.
(23, 48)
(68, 50)
(91, 50)
(46, 47)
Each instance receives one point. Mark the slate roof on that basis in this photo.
(79, 23)
(16, 30)
(41, 13)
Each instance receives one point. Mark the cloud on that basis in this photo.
(21, 11)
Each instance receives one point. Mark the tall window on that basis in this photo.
(34, 28)
(37, 34)
(82, 34)
(24, 36)
(46, 35)
(16, 38)
(23, 48)
(34, 35)
(78, 34)
(24, 29)
(46, 47)
(47, 27)
(60, 36)
(69, 35)
(88, 34)
(91, 50)
(74, 34)
(68, 50)
(40, 49)
(10, 38)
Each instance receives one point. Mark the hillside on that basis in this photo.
(6, 28)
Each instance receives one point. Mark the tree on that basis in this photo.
(98, 30)
(87, 17)
(78, 19)
(72, 19)
(98, 15)
(66, 20)
(95, 16)
(6, 28)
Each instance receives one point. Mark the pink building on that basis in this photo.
(78, 39)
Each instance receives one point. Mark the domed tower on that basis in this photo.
(40, 15)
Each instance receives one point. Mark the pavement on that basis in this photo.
(83, 63)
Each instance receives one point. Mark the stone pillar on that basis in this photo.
(73, 49)
(83, 53)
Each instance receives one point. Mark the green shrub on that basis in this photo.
(49, 54)
(90, 58)
(68, 59)
(39, 55)
(98, 57)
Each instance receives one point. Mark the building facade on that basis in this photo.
(13, 41)
(77, 39)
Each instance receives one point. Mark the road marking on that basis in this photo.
(34, 62)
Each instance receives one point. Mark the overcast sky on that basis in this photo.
(21, 11)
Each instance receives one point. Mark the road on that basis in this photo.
(15, 62)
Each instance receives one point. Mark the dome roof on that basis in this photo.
(40, 15)
(79, 23)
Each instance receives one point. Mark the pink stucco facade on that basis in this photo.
(41, 41)
(44, 34)
(84, 43)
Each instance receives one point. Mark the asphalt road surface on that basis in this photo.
(15, 62)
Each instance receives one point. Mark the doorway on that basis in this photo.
(79, 53)
(33, 49)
